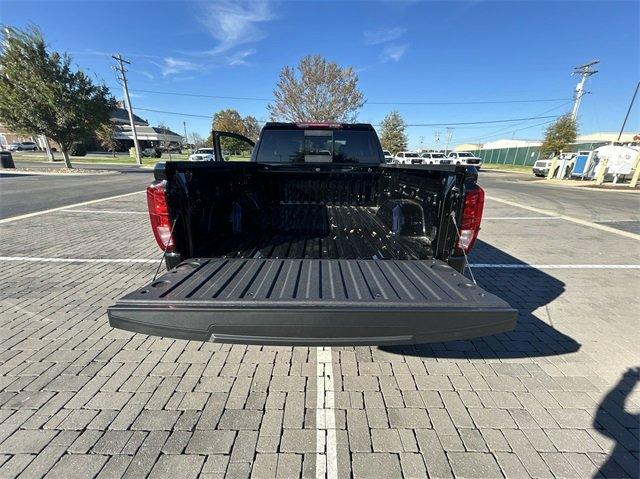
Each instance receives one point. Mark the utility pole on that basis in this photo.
(186, 140)
(626, 117)
(449, 134)
(437, 139)
(123, 77)
(585, 72)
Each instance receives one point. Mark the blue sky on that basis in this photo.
(413, 51)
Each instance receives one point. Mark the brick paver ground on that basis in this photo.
(556, 397)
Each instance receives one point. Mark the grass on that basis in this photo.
(498, 166)
(119, 159)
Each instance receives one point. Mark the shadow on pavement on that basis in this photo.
(525, 289)
(613, 421)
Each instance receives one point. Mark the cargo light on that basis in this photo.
(159, 215)
(471, 218)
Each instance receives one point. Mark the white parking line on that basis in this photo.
(109, 212)
(326, 442)
(36, 259)
(60, 208)
(521, 218)
(555, 266)
(590, 224)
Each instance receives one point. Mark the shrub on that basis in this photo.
(78, 149)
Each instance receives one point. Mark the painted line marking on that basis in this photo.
(77, 260)
(521, 218)
(326, 442)
(109, 212)
(578, 221)
(555, 266)
(65, 207)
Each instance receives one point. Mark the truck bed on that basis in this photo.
(297, 231)
(313, 302)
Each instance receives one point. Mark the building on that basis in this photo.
(148, 136)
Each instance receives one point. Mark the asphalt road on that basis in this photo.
(583, 203)
(29, 193)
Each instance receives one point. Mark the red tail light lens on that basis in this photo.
(159, 215)
(471, 218)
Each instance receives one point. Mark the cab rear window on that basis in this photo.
(318, 146)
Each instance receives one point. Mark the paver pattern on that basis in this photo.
(557, 397)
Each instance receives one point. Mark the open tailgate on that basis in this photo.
(313, 302)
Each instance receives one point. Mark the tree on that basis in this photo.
(231, 121)
(106, 137)
(196, 140)
(392, 133)
(252, 127)
(40, 93)
(559, 135)
(320, 91)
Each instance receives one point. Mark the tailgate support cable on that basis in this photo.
(164, 251)
(467, 265)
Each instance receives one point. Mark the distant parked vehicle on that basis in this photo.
(465, 158)
(23, 146)
(407, 158)
(564, 161)
(430, 158)
(388, 157)
(203, 154)
(151, 153)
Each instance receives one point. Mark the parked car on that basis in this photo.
(388, 157)
(203, 154)
(23, 146)
(434, 158)
(465, 158)
(564, 161)
(407, 158)
(315, 241)
(151, 153)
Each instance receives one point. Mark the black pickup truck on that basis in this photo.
(315, 241)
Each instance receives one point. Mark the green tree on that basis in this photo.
(40, 93)
(319, 91)
(252, 127)
(231, 121)
(106, 137)
(559, 135)
(392, 133)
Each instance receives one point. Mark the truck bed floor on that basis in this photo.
(297, 231)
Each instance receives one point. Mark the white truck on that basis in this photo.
(464, 158)
(434, 158)
(407, 158)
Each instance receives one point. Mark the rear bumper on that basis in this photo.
(313, 327)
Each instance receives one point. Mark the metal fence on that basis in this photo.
(524, 155)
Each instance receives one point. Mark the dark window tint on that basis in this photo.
(318, 146)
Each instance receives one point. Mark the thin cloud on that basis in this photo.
(235, 23)
(393, 52)
(173, 66)
(239, 58)
(383, 35)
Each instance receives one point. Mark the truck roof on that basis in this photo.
(319, 125)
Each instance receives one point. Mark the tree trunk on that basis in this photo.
(67, 160)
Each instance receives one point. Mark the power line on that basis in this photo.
(377, 124)
(479, 122)
(474, 102)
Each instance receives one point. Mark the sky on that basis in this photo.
(417, 57)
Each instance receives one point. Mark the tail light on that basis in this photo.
(159, 215)
(471, 217)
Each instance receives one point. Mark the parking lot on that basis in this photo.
(558, 396)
